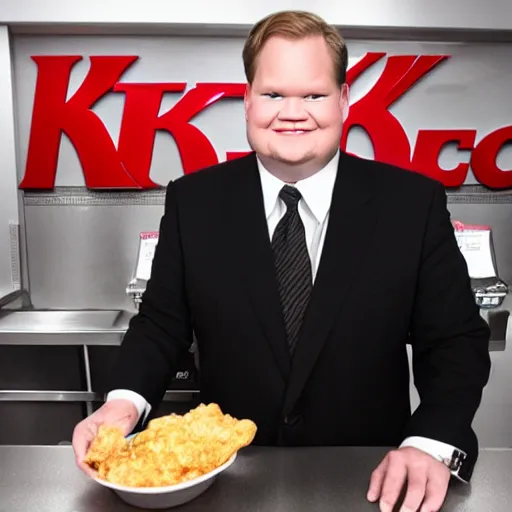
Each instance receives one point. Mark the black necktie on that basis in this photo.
(293, 266)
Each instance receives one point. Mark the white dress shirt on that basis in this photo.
(313, 208)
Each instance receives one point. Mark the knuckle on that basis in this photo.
(390, 493)
(417, 475)
(419, 466)
(395, 455)
(415, 491)
(397, 458)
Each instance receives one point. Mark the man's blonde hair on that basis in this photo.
(294, 25)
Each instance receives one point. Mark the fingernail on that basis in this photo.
(371, 496)
(385, 507)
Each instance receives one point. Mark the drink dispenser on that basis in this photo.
(490, 291)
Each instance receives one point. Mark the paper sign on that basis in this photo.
(148, 241)
(475, 245)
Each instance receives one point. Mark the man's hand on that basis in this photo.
(427, 481)
(120, 412)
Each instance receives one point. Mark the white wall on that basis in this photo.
(426, 14)
(8, 184)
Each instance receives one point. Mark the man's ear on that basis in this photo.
(247, 99)
(344, 101)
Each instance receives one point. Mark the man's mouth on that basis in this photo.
(292, 132)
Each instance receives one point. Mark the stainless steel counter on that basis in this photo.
(262, 479)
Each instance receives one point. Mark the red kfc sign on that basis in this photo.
(127, 165)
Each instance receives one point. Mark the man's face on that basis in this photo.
(294, 108)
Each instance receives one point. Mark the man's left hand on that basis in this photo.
(427, 481)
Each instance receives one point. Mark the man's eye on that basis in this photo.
(315, 97)
(272, 95)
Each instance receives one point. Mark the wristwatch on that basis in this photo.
(459, 465)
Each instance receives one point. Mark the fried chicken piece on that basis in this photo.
(108, 442)
(173, 448)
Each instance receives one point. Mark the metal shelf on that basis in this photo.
(80, 396)
(81, 328)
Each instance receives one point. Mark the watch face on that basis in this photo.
(460, 466)
(456, 461)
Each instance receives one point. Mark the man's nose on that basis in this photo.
(292, 110)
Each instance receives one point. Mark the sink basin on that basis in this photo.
(78, 326)
(60, 321)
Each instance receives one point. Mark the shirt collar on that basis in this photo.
(316, 190)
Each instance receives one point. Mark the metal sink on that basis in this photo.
(81, 327)
(60, 321)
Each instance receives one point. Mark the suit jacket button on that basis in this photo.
(291, 419)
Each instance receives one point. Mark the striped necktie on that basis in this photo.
(293, 266)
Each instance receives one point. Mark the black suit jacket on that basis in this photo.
(390, 274)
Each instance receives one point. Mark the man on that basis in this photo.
(303, 273)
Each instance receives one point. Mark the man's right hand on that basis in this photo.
(119, 412)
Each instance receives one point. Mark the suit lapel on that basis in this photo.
(351, 222)
(249, 241)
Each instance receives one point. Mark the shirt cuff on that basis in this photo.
(437, 449)
(142, 406)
